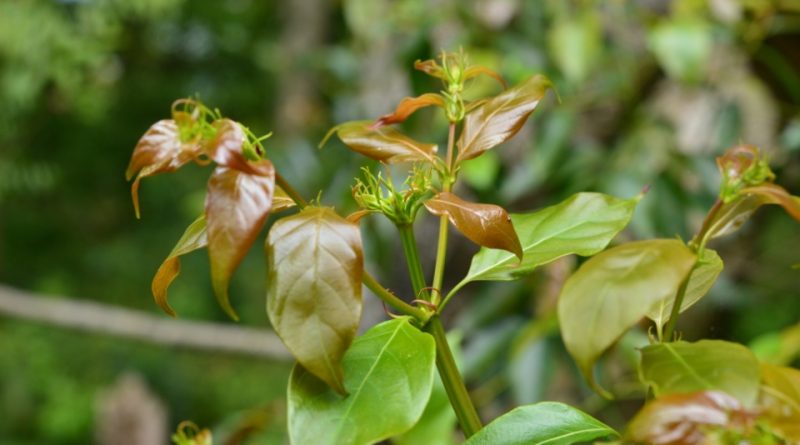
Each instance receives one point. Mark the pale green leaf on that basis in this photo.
(388, 375)
(548, 423)
(683, 367)
(701, 279)
(315, 265)
(615, 289)
(583, 224)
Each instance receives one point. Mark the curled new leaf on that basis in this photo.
(383, 144)
(484, 224)
(688, 419)
(775, 194)
(315, 265)
(160, 150)
(732, 215)
(408, 106)
(237, 205)
(615, 289)
(500, 118)
(195, 237)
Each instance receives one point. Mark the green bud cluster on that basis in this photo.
(378, 194)
(743, 166)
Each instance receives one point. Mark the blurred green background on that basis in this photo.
(650, 92)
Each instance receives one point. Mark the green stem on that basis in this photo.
(441, 247)
(453, 383)
(676, 308)
(392, 300)
(412, 258)
(282, 183)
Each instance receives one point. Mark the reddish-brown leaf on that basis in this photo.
(474, 71)
(383, 144)
(160, 150)
(684, 419)
(775, 194)
(237, 204)
(407, 107)
(484, 224)
(429, 67)
(226, 148)
(195, 237)
(501, 117)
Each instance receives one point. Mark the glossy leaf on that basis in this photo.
(548, 423)
(437, 424)
(195, 237)
(408, 106)
(388, 375)
(500, 118)
(484, 224)
(685, 419)
(701, 279)
(682, 367)
(315, 265)
(731, 216)
(383, 144)
(237, 205)
(160, 150)
(583, 224)
(615, 289)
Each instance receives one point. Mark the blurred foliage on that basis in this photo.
(650, 92)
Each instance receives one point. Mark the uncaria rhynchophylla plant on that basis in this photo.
(353, 390)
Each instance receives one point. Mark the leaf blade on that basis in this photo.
(500, 118)
(549, 423)
(701, 279)
(392, 354)
(682, 367)
(583, 224)
(408, 106)
(314, 290)
(384, 144)
(237, 205)
(615, 289)
(484, 224)
(194, 237)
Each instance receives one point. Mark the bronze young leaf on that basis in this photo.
(195, 237)
(500, 118)
(383, 144)
(315, 265)
(484, 224)
(237, 205)
(408, 106)
(160, 150)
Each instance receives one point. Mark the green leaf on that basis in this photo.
(437, 424)
(388, 374)
(682, 367)
(486, 225)
(315, 265)
(237, 205)
(613, 290)
(701, 279)
(383, 144)
(500, 118)
(548, 423)
(195, 237)
(583, 224)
